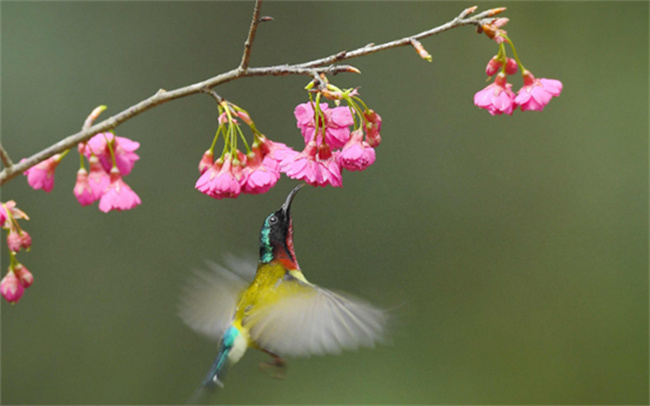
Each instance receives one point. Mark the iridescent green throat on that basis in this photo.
(266, 249)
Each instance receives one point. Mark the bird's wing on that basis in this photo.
(208, 300)
(308, 320)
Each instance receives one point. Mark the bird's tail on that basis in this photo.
(211, 380)
(233, 345)
(218, 366)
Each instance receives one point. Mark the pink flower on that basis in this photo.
(206, 161)
(24, 276)
(123, 148)
(221, 180)
(118, 196)
(14, 211)
(536, 93)
(82, 190)
(496, 98)
(274, 150)
(373, 127)
(98, 179)
(260, 175)
(357, 154)
(14, 242)
(3, 215)
(41, 176)
(333, 122)
(11, 288)
(313, 166)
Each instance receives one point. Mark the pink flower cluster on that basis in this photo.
(498, 98)
(330, 146)
(104, 181)
(110, 158)
(230, 176)
(18, 278)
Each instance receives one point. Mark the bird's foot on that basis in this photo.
(277, 366)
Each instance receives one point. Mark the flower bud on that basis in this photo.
(493, 66)
(245, 117)
(511, 66)
(11, 288)
(373, 127)
(82, 190)
(24, 276)
(25, 240)
(206, 161)
(14, 242)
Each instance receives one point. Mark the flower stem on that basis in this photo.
(110, 148)
(514, 52)
(241, 134)
(14, 261)
(81, 161)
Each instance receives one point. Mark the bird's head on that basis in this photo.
(276, 236)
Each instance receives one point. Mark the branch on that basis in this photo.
(459, 21)
(6, 161)
(312, 69)
(248, 45)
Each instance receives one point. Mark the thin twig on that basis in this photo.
(213, 94)
(6, 161)
(312, 69)
(371, 48)
(248, 45)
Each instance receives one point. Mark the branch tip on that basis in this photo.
(467, 11)
(419, 48)
(495, 11)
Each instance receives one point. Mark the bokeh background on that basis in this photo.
(512, 250)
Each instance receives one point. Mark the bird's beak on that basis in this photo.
(287, 203)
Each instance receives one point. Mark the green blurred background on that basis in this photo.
(513, 249)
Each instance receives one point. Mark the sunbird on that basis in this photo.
(279, 312)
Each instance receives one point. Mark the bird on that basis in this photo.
(279, 312)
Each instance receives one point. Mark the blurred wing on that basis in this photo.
(315, 321)
(244, 267)
(208, 300)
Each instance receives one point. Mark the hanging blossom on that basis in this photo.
(18, 278)
(104, 151)
(14, 283)
(118, 195)
(236, 172)
(317, 167)
(110, 158)
(330, 145)
(107, 145)
(498, 98)
(536, 93)
(41, 175)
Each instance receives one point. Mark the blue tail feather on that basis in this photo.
(212, 377)
(218, 366)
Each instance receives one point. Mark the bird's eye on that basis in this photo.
(273, 220)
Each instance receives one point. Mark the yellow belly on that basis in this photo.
(266, 289)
